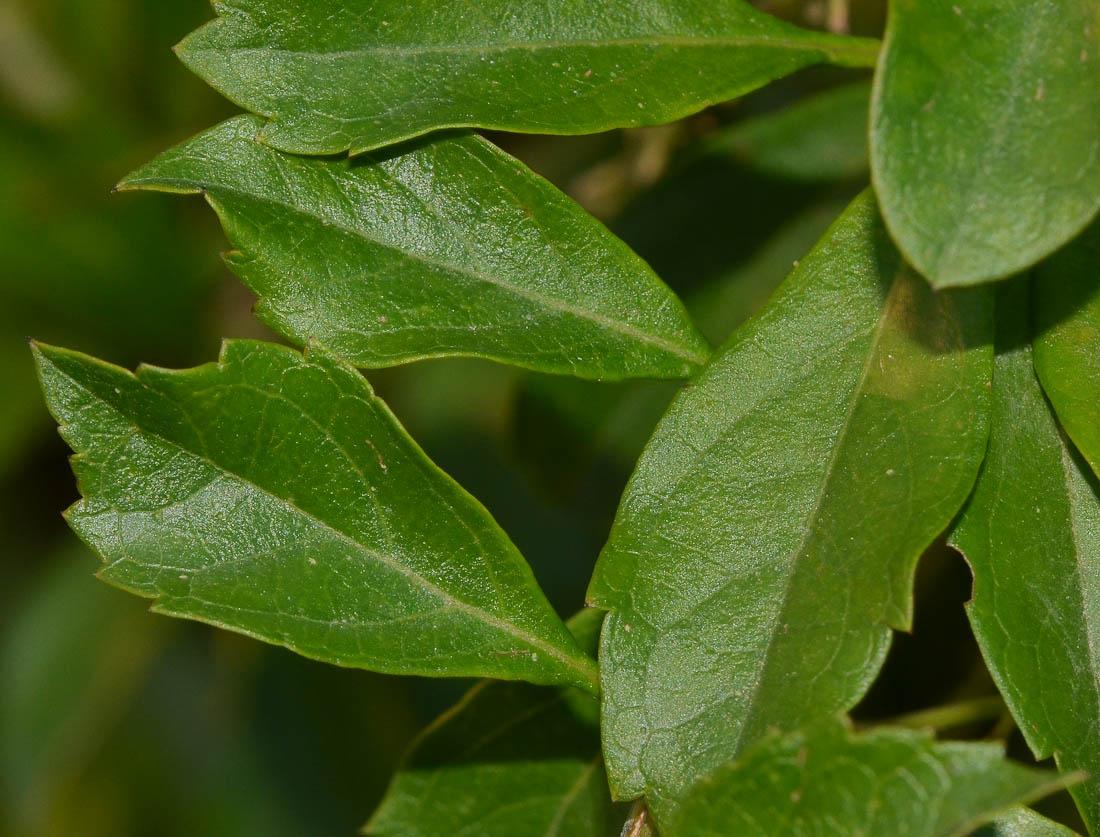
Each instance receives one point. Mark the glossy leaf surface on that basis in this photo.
(766, 542)
(275, 495)
(1031, 534)
(450, 248)
(827, 781)
(336, 75)
(985, 132)
(1067, 346)
(1023, 822)
(509, 759)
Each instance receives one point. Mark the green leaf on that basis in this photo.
(720, 305)
(825, 780)
(823, 137)
(1031, 534)
(1023, 822)
(450, 248)
(566, 425)
(509, 759)
(335, 75)
(1067, 346)
(985, 148)
(275, 495)
(766, 542)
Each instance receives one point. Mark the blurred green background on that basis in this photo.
(117, 722)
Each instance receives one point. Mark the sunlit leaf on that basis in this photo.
(1023, 822)
(334, 75)
(985, 132)
(766, 543)
(450, 248)
(276, 495)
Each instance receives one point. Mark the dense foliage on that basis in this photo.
(764, 550)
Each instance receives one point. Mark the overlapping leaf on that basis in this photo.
(724, 303)
(509, 759)
(449, 248)
(276, 495)
(1067, 346)
(827, 781)
(766, 542)
(567, 424)
(335, 75)
(1031, 534)
(985, 132)
(1023, 822)
(823, 137)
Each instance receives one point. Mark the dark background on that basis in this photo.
(116, 722)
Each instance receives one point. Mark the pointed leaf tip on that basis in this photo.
(742, 557)
(825, 779)
(275, 495)
(449, 248)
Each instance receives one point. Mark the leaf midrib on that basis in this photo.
(554, 827)
(810, 42)
(809, 526)
(875, 336)
(551, 303)
(490, 619)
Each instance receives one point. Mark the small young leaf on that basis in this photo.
(985, 132)
(335, 75)
(1031, 534)
(1023, 822)
(823, 137)
(1067, 346)
(825, 780)
(450, 248)
(766, 542)
(275, 495)
(509, 759)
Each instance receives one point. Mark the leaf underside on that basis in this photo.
(449, 247)
(766, 542)
(824, 780)
(335, 75)
(275, 495)
(1031, 534)
(985, 132)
